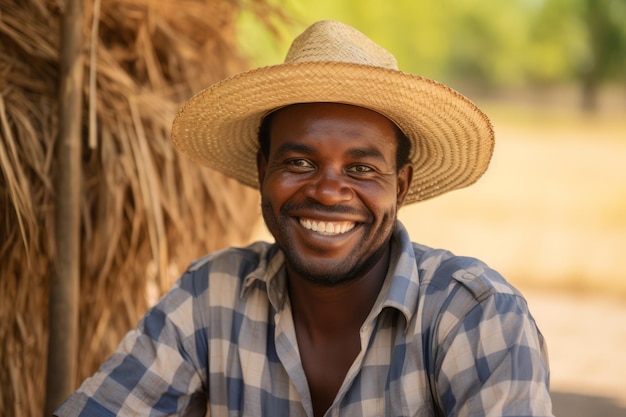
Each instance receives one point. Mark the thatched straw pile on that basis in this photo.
(146, 212)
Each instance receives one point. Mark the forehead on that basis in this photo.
(335, 110)
(332, 118)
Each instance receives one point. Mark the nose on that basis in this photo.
(329, 188)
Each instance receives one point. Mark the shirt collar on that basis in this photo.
(400, 289)
(269, 274)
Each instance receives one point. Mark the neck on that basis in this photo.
(324, 310)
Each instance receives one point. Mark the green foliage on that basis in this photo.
(483, 42)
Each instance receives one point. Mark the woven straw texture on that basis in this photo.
(452, 140)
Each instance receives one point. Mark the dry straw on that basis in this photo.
(146, 211)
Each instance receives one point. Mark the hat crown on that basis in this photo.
(331, 41)
(451, 139)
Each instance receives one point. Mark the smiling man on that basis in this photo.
(343, 315)
(331, 188)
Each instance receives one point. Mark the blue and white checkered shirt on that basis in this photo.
(446, 336)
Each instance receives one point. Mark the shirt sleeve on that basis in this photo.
(159, 368)
(493, 362)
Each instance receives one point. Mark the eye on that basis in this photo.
(300, 164)
(360, 169)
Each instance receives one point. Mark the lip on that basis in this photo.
(328, 216)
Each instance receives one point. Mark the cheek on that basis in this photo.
(381, 199)
(274, 195)
(282, 189)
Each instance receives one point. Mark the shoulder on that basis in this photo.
(479, 336)
(228, 265)
(440, 270)
(223, 261)
(453, 286)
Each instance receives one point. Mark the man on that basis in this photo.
(343, 315)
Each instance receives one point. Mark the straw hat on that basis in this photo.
(452, 139)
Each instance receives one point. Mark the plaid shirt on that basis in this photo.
(447, 336)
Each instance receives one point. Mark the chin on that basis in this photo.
(328, 274)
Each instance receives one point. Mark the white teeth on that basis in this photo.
(327, 228)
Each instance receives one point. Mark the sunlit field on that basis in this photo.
(551, 211)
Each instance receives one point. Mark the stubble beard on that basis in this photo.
(344, 272)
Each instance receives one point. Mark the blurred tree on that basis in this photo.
(604, 21)
(583, 40)
(556, 42)
(490, 42)
(482, 43)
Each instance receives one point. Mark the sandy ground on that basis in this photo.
(587, 341)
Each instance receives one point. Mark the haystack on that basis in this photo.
(146, 212)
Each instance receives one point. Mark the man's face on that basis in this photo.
(330, 188)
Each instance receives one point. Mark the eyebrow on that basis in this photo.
(307, 150)
(365, 153)
(294, 147)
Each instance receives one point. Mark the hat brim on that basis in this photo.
(452, 140)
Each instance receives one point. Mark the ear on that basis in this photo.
(261, 166)
(405, 176)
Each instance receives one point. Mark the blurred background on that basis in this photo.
(549, 214)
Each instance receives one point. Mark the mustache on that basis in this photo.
(312, 205)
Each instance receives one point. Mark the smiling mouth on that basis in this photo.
(327, 228)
